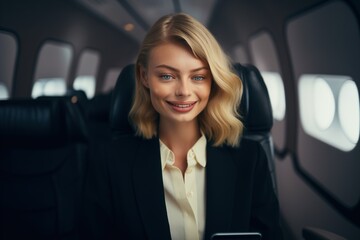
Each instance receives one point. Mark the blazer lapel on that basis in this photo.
(221, 175)
(149, 190)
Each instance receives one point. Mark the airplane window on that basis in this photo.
(85, 83)
(263, 51)
(110, 79)
(276, 91)
(324, 104)
(86, 73)
(349, 112)
(52, 69)
(265, 58)
(8, 50)
(4, 94)
(334, 121)
(49, 87)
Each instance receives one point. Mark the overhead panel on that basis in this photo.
(134, 17)
(152, 10)
(200, 9)
(114, 13)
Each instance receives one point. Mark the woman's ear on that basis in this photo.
(144, 77)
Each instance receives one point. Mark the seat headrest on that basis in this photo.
(98, 108)
(78, 97)
(39, 123)
(255, 107)
(77, 92)
(121, 101)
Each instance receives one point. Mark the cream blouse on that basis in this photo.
(185, 196)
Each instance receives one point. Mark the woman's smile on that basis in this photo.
(182, 107)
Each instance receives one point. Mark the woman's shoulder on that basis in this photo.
(124, 142)
(248, 150)
(119, 150)
(246, 145)
(126, 139)
(129, 143)
(119, 143)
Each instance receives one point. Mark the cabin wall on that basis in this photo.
(236, 22)
(34, 22)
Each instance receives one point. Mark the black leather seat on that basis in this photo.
(121, 102)
(43, 147)
(256, 112)
(98, 116)
(77, 97)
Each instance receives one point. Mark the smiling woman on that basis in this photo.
(187, 165)
(200, 46)
(178, 83)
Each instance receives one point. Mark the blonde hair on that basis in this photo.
(219, 121)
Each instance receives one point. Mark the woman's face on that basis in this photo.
(179, 83)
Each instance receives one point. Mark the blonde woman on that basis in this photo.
(186, 173)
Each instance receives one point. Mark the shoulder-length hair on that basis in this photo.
(220, 120)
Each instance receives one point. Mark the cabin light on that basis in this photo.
(129, 27)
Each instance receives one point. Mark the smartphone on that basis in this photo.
(237, 236)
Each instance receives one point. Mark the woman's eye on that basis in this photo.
(166, 77)
(198, 78)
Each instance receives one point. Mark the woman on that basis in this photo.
(186, 174)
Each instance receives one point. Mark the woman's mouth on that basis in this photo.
(182, 107)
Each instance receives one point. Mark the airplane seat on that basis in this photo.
(121, 102)
(256, 112)
(97, 112)
(79, 98)
(43, 147)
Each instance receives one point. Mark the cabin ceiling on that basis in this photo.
(134, 17)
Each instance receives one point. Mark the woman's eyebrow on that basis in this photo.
(200, 68)
(177, 70)
(168, 67)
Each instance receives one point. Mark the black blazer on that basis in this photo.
(124, 194)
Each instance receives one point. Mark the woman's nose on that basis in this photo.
(183, 88)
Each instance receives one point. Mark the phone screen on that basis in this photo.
(237, 236)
